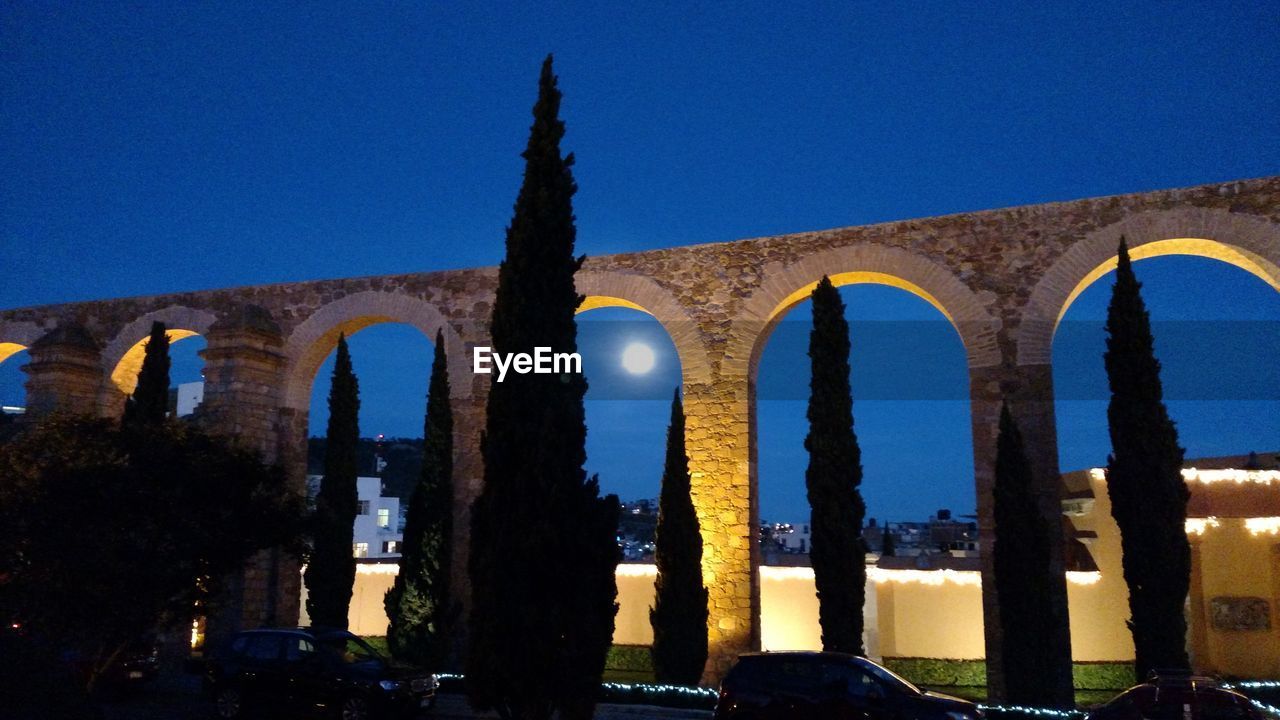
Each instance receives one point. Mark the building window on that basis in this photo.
(364, 508)
(390, 546)
(384, 517)
(360, 550)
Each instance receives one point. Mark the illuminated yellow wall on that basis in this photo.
(940, 621)
(635, 597)
(1236, 562)
(788, 610)
(1098, 613)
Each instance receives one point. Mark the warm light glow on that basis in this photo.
(378, 568)
(1263, 525)
(637, 570)
(637, 358)
(858, 278)
(1076, 577)
(125, 375)
(1198, 526)
(595, 302)
(1239, 477)
(1198, 247)
(925, 577)
(7, 349)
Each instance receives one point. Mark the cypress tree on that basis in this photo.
(832, 478)
(1144, 482)
(543, 541)
(419, 605)
(679, 614)
(149, 404)
(1024, 585)
(888, 548)
(331, 568)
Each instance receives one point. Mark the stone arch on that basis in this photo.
(1247, 242)
(312, 341)
(122, 356)
(785, 286)
(604, 288)
(16, 337)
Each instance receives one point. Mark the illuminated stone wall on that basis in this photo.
(1002, 277)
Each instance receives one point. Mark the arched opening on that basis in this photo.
(392, 363)
(1216, 324)
(186, 371)
(910, 384)
(632, 368)
(13, 391)
(1215, 317)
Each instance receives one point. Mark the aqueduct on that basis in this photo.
(1002, 277)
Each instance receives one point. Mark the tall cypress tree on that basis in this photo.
(832, 478)
(331, 568)
(419, 606)
(1023, 581)
(1144, 482)
(543, 541)
(888, 547)
(679, 614)
(149, 404)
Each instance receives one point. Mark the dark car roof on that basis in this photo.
(801, 655)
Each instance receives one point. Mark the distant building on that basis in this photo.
(378, 529)
(185, 398)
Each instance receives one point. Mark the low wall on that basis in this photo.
(908, 613)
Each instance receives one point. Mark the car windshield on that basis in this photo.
(890, 678)
(348, 648)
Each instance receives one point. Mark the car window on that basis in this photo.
(297, 648)
(845, 680)
(797, 676)
(889, 678)
(263, 646)
(348, 648)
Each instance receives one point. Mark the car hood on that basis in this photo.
(950, 701)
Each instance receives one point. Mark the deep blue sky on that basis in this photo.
(164, 146)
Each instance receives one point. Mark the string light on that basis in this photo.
(1198, 526)
(1040, 712)
(1239, 477)
(1263, 525)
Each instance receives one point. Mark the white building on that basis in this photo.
(376, 532)
(189, 397)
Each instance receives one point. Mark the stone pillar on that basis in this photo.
(65, 373)
(244, 366)
(717, 434)
(1029, 391)
(468, 480)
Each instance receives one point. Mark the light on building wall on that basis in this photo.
(1239, 477)
(1263, 525)
(1198, 526)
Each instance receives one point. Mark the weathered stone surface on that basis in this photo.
(1003, 277)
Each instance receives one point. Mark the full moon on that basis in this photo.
(637, 358)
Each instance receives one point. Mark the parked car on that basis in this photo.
(827, 685)
(304, 669)
(1178, 695)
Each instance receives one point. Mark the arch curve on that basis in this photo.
(122, 356)
(16, 337)
(1249, 243)
(604, 288)
(311, 341)
(785, 286)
